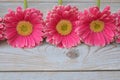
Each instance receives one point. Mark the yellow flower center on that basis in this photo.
(97, 26)
(64, 27)
(24, 28)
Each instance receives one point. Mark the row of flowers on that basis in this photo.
(64, 26)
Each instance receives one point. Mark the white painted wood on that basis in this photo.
(63, 0)
(48, 57)
(44, 6)
(51, 58)
(60, 76)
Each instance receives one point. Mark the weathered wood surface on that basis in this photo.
(63, 0)
(60, 76)
(48, 57)
(46, 6)
(101, 63)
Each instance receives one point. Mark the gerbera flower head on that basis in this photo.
(24, 27)
(2, 29)
(117, 23)
(62, 26)
(97, 27)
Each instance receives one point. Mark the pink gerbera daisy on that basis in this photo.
(24, 27)
(97, 27)
(2, 29)
(62, 26)
(117, 23)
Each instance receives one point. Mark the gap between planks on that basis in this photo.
(62, 71)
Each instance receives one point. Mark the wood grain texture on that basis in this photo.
(60, 76)
(48, 57)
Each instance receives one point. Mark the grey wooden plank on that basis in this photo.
(60, 76)
(63, 0)
(48, 57)
(42, 6)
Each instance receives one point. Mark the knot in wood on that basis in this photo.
(73, 54)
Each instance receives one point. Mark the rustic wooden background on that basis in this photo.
(47, 62)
